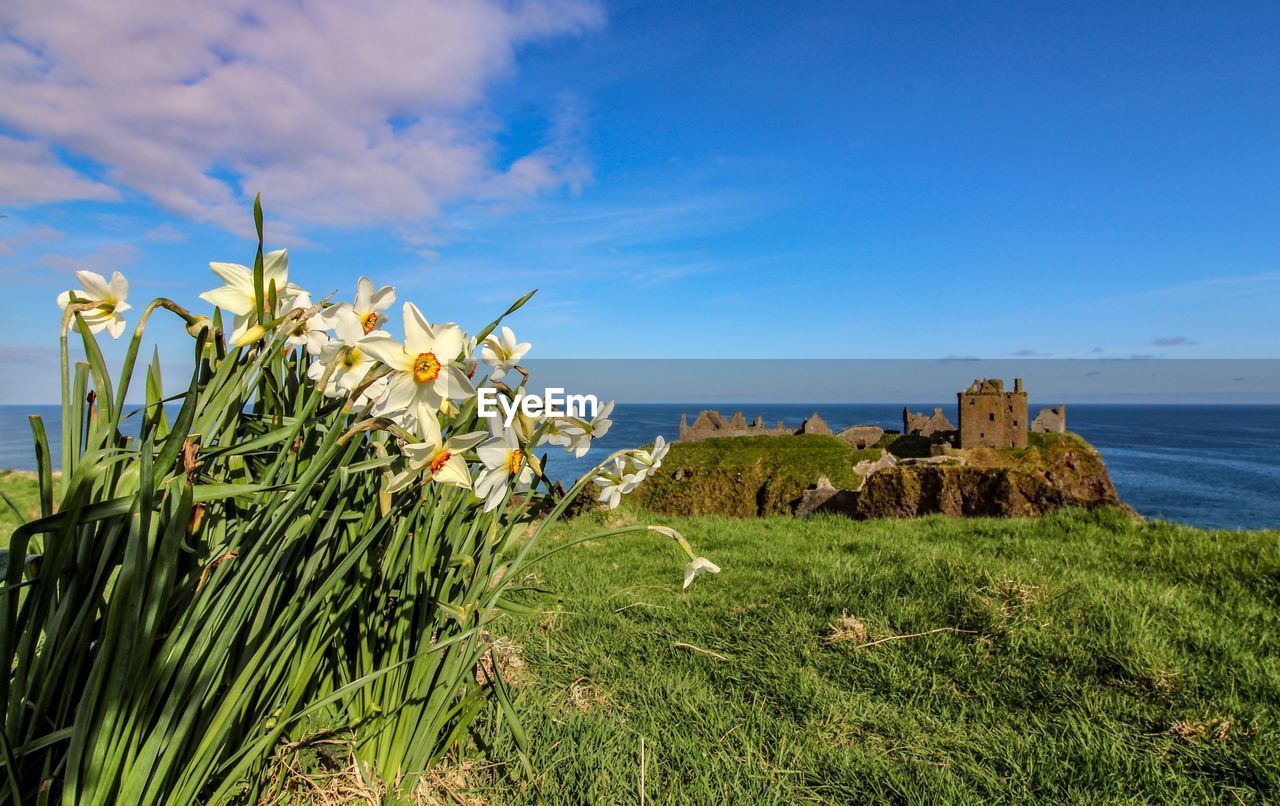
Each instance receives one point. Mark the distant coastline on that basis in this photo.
(1209, 465)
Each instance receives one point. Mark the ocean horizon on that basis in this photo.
(1206, 465)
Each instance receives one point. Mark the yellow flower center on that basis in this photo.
(514, 460)
(351, 357)
(426, 367)
(438, 461)
(370, 321)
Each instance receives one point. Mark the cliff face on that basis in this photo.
(730, 477)
(1056, 471)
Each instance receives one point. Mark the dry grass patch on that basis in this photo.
(584, 695)
(322, 780)
(510, 663)
(1215, 730)
(848, 628)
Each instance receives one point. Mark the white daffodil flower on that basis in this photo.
(424, 367)
(438, 458)
(502, 352)
(504, 460)
(563, 432)
(110, 297)
(350, 363)
(697, 566)
(312, 332)
(645, 463)
(615, 483)
(526, 425)
(369, 305)
(580, 437)
(237, 294)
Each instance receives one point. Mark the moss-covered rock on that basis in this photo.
(767, 475)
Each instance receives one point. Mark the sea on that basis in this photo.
(1213, 466)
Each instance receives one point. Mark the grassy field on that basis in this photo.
(19, 489)
(1084, 656)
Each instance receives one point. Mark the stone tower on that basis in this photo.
(991, 416)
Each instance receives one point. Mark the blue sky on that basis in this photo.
(679, 179)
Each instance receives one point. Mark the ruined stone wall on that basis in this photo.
(710, 424)
(1052, 420)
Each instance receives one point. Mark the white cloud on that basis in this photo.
(36, 236)
(42, 266)
(30, 174)
(340, 112)
(165, 233)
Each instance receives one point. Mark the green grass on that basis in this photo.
(19, 488)
(747, 476)
(1102, 659)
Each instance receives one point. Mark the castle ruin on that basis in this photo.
(935, 426)
(991, 416)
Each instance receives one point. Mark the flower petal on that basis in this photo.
(399, 395)
(383, 298)
(401, 480)
(275, 268)
(418, 336)
(95, 285)
(388, 351)
(452, 383)
(364, 291)
(465, 442)
(448, 342)
(429, 426)
(230, 299)
(234, 275)
(119, 287)
(453, 471)
(494, 453)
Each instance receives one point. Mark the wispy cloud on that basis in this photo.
(343, 113)
(27, 238)
(55, 267)
(30, 174)
(1172, 341)
(165, 233)
(1228, 287)
(646, 240)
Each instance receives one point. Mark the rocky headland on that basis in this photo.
(898, 476)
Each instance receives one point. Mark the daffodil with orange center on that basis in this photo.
(505, 463)
(425, 367)
(369, 306)
(441, 460)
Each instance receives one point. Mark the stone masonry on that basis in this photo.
(991, 416)
(1052, 420)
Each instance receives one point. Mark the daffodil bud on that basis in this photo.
(251, 335)
(460, 613)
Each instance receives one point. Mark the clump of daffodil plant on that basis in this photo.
(317, 529)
